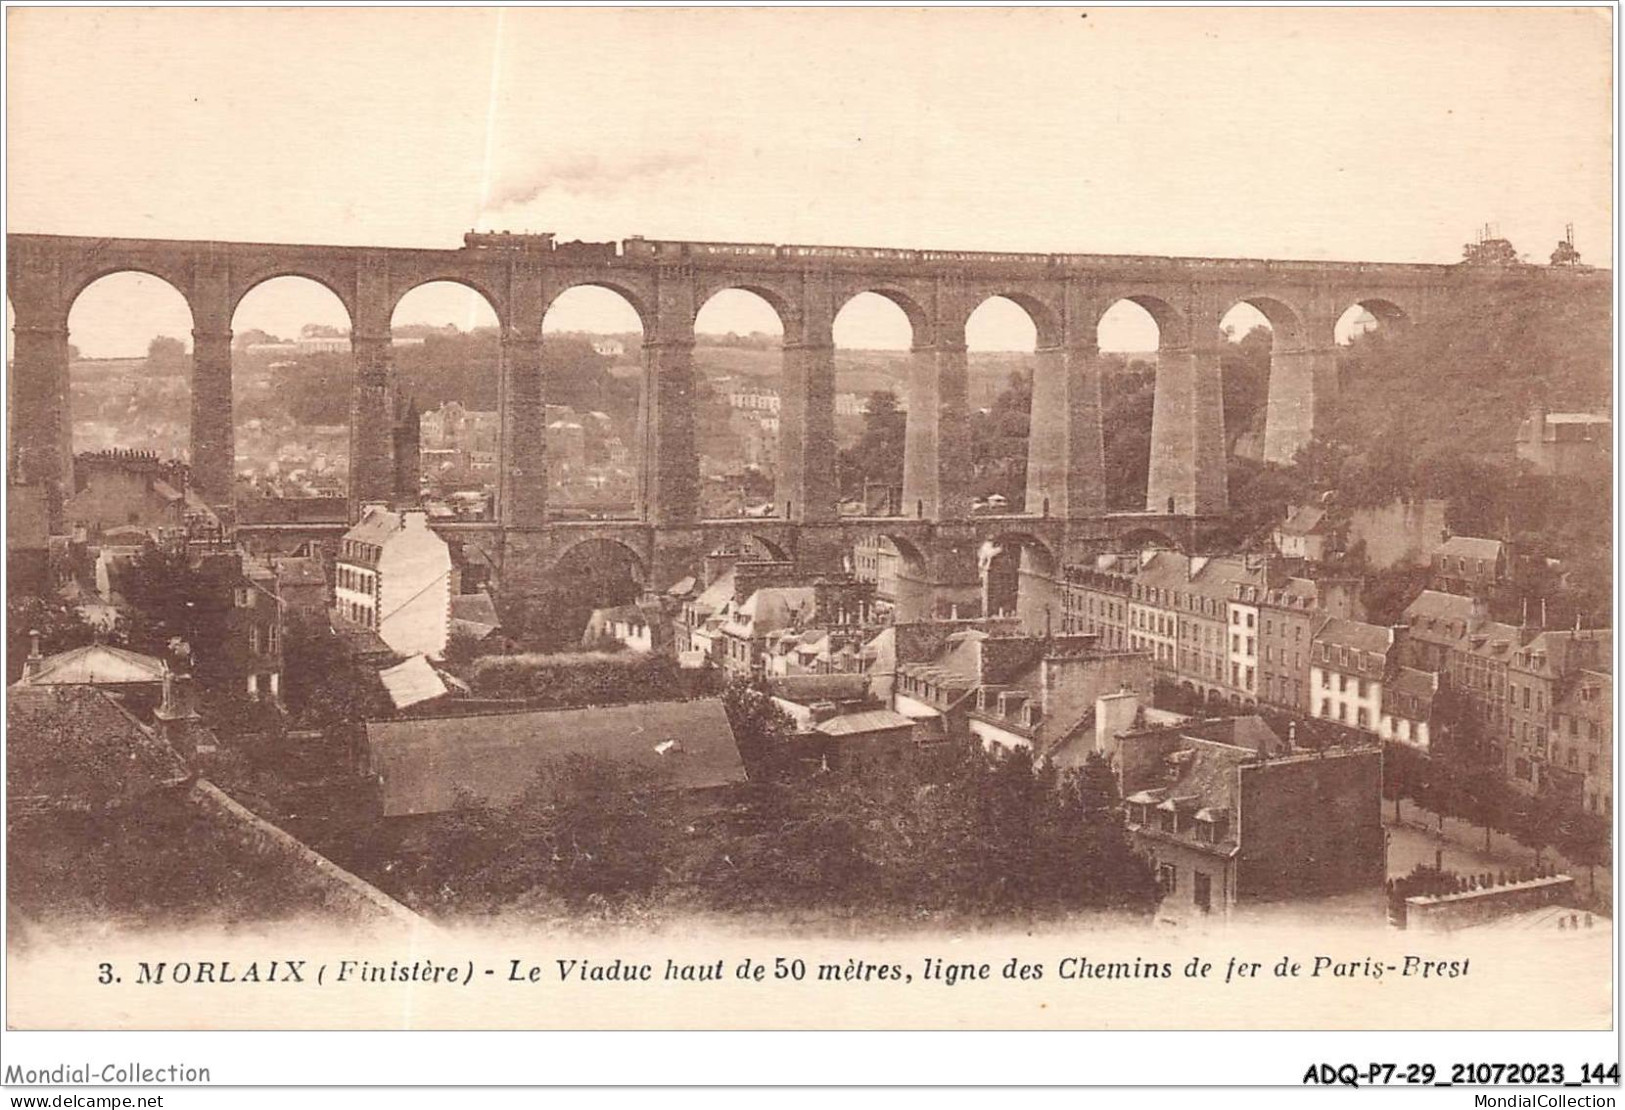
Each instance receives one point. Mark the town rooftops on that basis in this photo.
(1470, 547)
(1355, 635)
(474, 613)
(866, 721)
(1164, 570)
(772, 608)
(1294, 593)
(1304, 520)
(716, 595)
(378, 524)
(430, 764)
(300, 572)
(1496, 640)
(1438, 605)
(1556, 653)
(95, 665)
(1412, 682)
(357, 638)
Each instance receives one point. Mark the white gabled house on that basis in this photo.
(393, 576)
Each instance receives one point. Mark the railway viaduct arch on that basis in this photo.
(668, 282)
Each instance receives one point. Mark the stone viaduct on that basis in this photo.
(667, 283)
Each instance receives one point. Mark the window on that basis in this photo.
(1360, 718)
(244, 598)
(1325, 708)
(1203, 891)
(254, 640)
(1167, 877)
(1250, 619)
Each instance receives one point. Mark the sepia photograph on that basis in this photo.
(809, 519)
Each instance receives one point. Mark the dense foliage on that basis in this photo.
(587, 678)
(979, 836)
(1460, 778)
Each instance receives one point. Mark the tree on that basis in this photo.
(1097, 785)
(1588, 842)
(761, 729)
(166, 355)
(322, 684)
(1489, 252)
(58, 626)
(1244, 365)
(1541, 823)
(1565, 254)
(878, 454)
(998, 449)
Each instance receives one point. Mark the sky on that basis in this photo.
(1384, 134)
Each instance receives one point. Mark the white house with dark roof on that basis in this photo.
(393, 576)
(1347, 664)
(1303, 534)
(1407, 707)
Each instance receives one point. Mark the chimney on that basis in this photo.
(35, 659)
(175, 719)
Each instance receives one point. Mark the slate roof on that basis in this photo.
(474, 614)
(358, 638)
(1441, 606)
(376, 527)
(74, 747)
(1495, 640)
(300, 572)
(1470, 547)
(424, 766)
(1305, 520)
(1165, 569)
(772, 608)
(716, 595)
(1355, 634)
